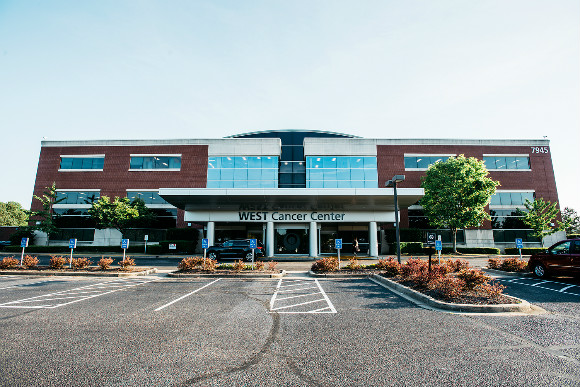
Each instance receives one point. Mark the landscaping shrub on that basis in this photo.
(9, 262)
(353, 264)
(239, 265)
(390, 266)
(272, 265)
(326, 264)
(494, 263)
(225, 266)
(413, 268)
(493, 290)
(514, 264)
(456, 265)
(105, 263)
(57, 262)
(127, 263)
(260, 265)
(30, 261)
(208, 264)
(448, 288)
(473, 278)
(81, 263)
(190, 263)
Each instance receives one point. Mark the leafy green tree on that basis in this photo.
(146, 216)
(12, 214)
(456, 193)
(117, 214)
(45, 218)
(571, 220)
(541, 217)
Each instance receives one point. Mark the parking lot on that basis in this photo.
(294, 331)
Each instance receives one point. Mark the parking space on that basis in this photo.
(294, 331)
(550, 285)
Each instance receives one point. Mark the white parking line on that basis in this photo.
(187, 295)
(537, 285)
(74, 294)
(297, 287)
(28, 284)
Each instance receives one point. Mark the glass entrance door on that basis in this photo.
(291, 241)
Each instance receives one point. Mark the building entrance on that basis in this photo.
(291, 240)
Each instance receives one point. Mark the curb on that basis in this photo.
(226, 275)
(37, 273)
(422, 300)
(507, 273)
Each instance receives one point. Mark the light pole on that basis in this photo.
(393, 183)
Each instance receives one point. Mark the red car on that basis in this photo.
(561, 258)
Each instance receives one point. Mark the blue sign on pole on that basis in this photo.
(519, 243)
(72, 243)
(338, 243)
(205, 243)
(438, 245)
(253, 244)
(24, 242)
(124, 243)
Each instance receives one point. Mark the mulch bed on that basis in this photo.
(467, 297)
(92, 269)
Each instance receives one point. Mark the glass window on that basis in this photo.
(410, 162)
(213, 174)
(370, 162)
(155, 162)
(254, 174)
(423, 162)
(341, 172)
(489, 162)
(77, 197)
(240, 163)
(329, 162)
(507, 162)
(82, 162)
(227, 162)
(243, 172)
(522, 163)
(254, 162)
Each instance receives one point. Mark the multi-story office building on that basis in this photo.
(294, 190)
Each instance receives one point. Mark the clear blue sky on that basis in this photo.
(380, 69)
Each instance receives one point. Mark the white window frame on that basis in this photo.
(509, 155)
(79, 157)
(154, 155)
(425, 155)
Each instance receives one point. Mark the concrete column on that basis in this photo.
(373, 245)
(313, 240)
(270, 239)
(211, 233)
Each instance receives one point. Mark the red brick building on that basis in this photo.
(294, 190)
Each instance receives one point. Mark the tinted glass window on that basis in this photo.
(82, 162)
(155, 162)
(341, 172)
(506, 162)
(243, 171)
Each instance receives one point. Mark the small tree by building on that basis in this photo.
(541, 217)
(45, 218)
(456, 193)
(571, 220)
(120, 213)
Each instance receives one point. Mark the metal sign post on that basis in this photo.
(439, 247)
(520, 245)
(72, 244)
(430, 244)
(146, 239)
(23, 244)
(338, 246)
(124, 246)
(253, 245)
(204, 246)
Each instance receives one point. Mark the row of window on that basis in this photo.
(491, 162)
(243, 162)
(511, 198)
(136, 162)
(88, 197)
(341, 162)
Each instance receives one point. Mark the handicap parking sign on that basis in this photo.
(338, 243)
(253, 243)
(72, 243)
(24, 242)
(438, 245)
(205, 243)
(519, 243)
(124, 243)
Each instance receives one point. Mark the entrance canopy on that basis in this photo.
(349, 199)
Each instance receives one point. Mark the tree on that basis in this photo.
(46, 215)
(12, 214)
(571, 220)
(540, 217)
(456, 193)
(117, 214)
(146, 216)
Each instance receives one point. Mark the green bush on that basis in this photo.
(472, 250)
(182, 234)
(525, 251)
(154, 249)
(405, 234)
(407, 248)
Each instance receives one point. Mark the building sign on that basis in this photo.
(289, 216)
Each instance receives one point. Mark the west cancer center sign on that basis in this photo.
(289, 216)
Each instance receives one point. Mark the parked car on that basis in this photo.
(560, 258)
(235, 248)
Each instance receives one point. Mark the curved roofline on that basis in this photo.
(292, 130)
